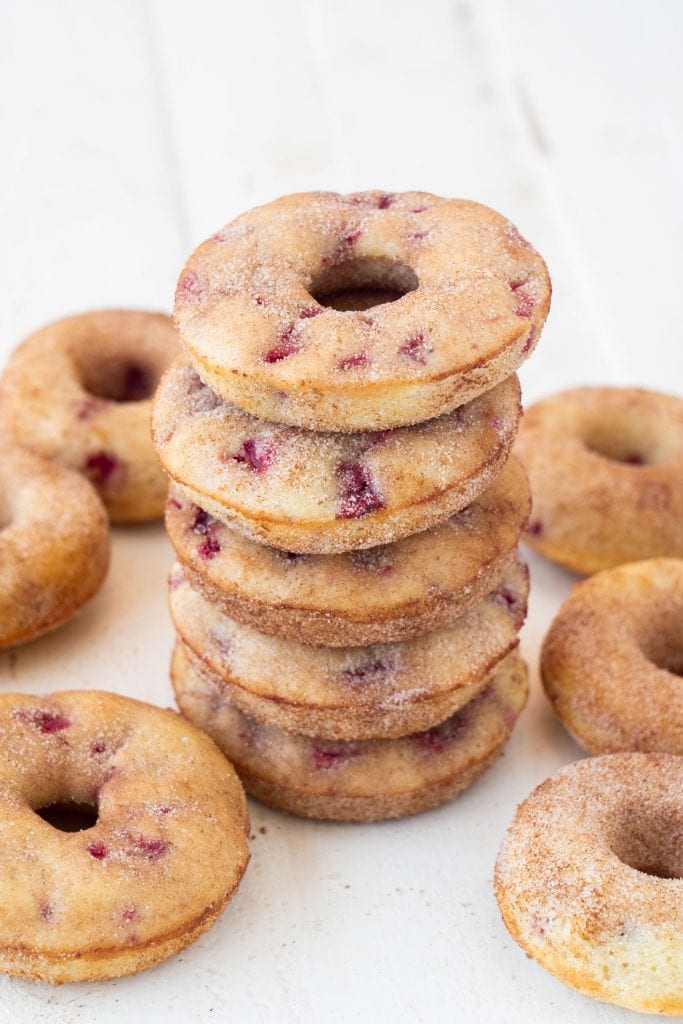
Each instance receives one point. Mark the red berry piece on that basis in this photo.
(191, 288)
(509, 600)
(47, 912)
(209, 548)
(525, 304)
(47, 722)
(310, 311)
(359, 493)
(514, 236)
(129, 914)
(419, 209)
(175, 503)
(634, 460)
(203, 523)
(285, 346)
(259, 300)
(530, 340)
(352, 362)
(98, 747)
(97, 850)
(343, 247)
(100, 466)
(366, 672)
(417, 348)
(327, 757)
(386, 200)
(257, 453)
(152, 849)
(535, 528)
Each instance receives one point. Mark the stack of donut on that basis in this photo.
(347, 593)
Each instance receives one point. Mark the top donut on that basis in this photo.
(361, 312)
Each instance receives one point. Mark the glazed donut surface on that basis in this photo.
(326, 493)
(383, 690)
(358, 780)
(54, 544)
(461, 299)
(79, 392)
(612, 660)
(589, 879)
(605, 467)
(165, 855)
(392, 592)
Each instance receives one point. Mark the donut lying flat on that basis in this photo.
(54, 545)
(589, 879)
(606, 472)
(359, 780)
(79, 391)
(384, 690)
(393, 592)
(163, 859)
(326, 493)
(611, 662)
(265, 309)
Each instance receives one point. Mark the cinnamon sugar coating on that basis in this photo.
(79, 392)
(325, 493)
(606, 472)
(392, 592)
(164, 857)
(455, 300)
(612, 659)
(589, 879)
(54, 545)
(383, 690)
(356, 780)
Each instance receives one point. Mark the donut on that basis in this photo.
(589, 879)
(326, 493)
(379, 691)
(606, 472)
(54, 544)
(358, 780)
(612, 660)
(360, 312)
(392, 592)
(79, 391)
(160, 853)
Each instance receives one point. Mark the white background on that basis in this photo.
(130, 131)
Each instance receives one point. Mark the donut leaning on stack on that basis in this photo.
(344, 511)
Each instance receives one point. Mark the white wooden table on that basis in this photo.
(129, 132)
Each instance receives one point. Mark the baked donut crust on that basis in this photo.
(358, 780)
(606, 472)
(54, 545)
(164, 857)
(381, 691)
(79, 391)
(611, 661)
(327, 493)
(473, 298)
(393, 592)
(589, 879)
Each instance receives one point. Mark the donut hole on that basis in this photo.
(69, 816)
(362, 283)
(119, 380)
(651, 841)
(664, 650)
(628, 441)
